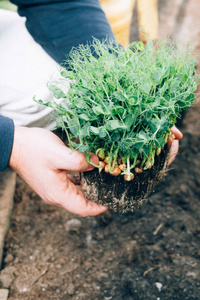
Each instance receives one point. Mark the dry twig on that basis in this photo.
(157, 229)
(150, 269)
(40, 275)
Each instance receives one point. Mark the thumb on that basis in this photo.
(74, 160)
(74, 201)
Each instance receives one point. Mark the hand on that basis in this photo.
(42, 160)
(175, 144)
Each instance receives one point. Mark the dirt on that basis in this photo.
(118, 194)
(151, 253)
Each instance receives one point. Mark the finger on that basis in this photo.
(173, 151)
(75, 202)
(178, 134)
(74, 160)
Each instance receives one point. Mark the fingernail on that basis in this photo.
(94, 159)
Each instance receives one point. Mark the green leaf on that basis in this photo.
(119, 96)
(159, 126)
(58, 93)
(116, 136)
(114, 124)
(83, 148)
(118, 110)
(146, 87)
(132, 101)
(156, 76)
(166, 72)
(129, 121)
(138, 145)
(163, 89)
(59, 123)
(146, 150)
(94, 130)
(84, 132)
(98, 110)
(79, 103)
(49, 104)
(65, 105)
(75, 145)
(159, 142)
(135, 79)
(143, 136)
(84, 117)
(140, 46)
(64, 73)
(174, 87)
(102, 132)
(189, 99)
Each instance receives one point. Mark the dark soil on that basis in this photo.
(116, 193)
(150, 254)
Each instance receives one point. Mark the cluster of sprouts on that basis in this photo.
(127, 167)
(121, 104)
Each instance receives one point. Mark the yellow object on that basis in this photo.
(119, 14)
(148, 19)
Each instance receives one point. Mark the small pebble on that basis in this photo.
(159, 286)
(102, 276)
(58, 266)
(132, 250)
(82, 296)
(9, 258)
(4, 294)
(16, 261)
(192, 274)
(73, 225)
(70, 289)
(7, 276)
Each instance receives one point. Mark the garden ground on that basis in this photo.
(151, 253)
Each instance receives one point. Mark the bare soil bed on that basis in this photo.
(151, 253)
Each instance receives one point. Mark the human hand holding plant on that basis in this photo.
(42, 160)
(123, 107)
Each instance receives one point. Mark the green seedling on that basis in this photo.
(122, 104)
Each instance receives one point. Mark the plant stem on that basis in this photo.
(128, 165)
(87, 156)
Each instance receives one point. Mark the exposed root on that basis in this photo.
(116, 193)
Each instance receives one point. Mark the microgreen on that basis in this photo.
(124, 102)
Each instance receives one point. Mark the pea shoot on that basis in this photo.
(122, 104)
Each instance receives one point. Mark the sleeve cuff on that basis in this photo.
(6, 141)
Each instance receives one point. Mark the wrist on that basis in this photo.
(15, 156)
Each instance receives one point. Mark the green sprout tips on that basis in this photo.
(123, 103)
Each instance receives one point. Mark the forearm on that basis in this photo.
(60, 25)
